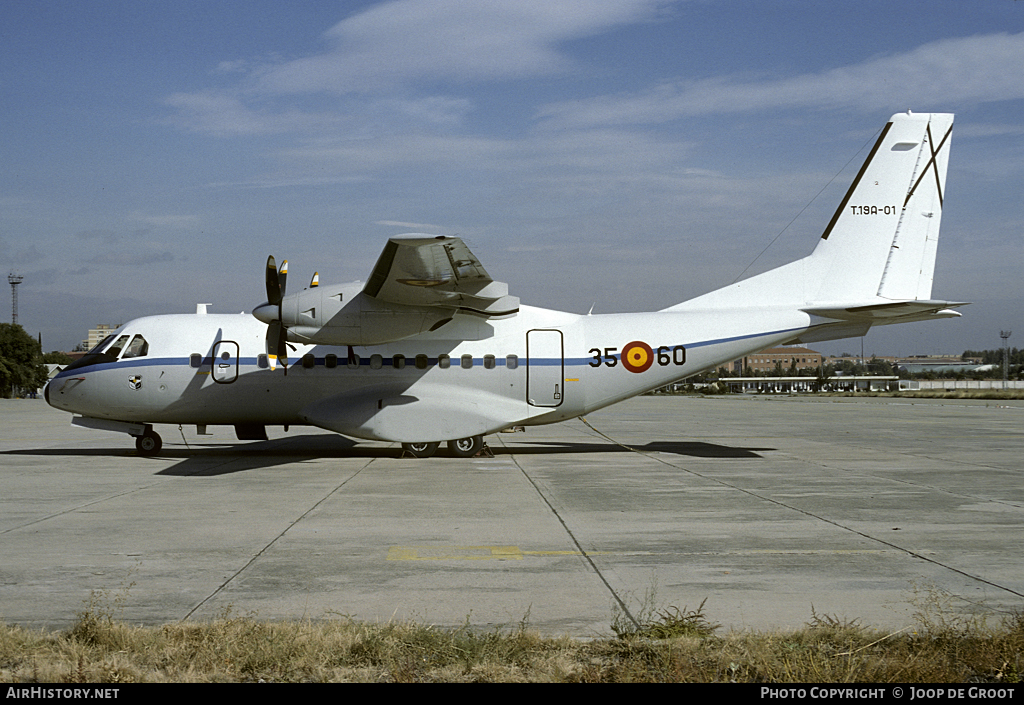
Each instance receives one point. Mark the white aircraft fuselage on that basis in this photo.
(538, 367)
(485, 363)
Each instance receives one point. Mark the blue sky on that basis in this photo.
(625, 154)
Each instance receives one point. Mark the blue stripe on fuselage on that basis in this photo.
(387, 361)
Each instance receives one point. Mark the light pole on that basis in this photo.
(1005, 335)
(14, 279)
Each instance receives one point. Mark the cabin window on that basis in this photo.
(137, 348)
(376, 362)
(444, 361)
(467, 362)
(488, 362)
(353, 361)
(421, 362)
(511, 361)
(398, 362)
(261, 361)
(308, 360)
(195, 361)
(330, 361)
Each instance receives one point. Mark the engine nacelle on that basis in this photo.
(344, 315)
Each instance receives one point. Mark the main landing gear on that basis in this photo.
(460, 448)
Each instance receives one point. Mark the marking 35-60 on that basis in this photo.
(638, 356)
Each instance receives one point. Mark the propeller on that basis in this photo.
(276, 334)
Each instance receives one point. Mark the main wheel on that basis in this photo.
(420, 450)
(466, 447)
(149, 443)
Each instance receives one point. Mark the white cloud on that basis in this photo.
(413, 227)
(464, 40)
(393, 66)
(226, 114)
(164, 221)
(938, 75)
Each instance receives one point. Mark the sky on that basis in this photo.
(624, 155)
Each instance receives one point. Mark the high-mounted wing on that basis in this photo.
(437, 272)
(418, 285)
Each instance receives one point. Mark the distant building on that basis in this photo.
(97, 334)
(790, 385)
(939, 363)
(766, 360)
(858, 360)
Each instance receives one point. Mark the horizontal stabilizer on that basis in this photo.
(890, 311)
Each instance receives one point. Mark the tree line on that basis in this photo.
(995, 357)
(21, 362)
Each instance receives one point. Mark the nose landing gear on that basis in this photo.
(149, 443)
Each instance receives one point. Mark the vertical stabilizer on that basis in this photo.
(882, 240)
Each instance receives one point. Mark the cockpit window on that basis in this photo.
(99, 356)
(115, 349)
(137, 348)
(100, 345)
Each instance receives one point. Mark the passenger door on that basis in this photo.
(225, 362)
(545, 376)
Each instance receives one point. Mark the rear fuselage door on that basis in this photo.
(545, 377)
(225, 362)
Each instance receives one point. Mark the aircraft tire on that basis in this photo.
(420, 450)
(149, 443)
(466, 447)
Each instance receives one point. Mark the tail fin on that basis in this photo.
(882, 240)
(874, 263)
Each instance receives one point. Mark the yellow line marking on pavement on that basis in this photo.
(514, 553)
(467, 553)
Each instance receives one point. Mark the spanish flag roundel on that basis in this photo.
(637, 356)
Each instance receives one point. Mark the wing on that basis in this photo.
(439, 272)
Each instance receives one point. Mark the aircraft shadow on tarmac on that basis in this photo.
(694, 449)
(210, 459)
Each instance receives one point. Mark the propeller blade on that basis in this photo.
(273, 333)
(277, 341)
(275, 292)
(277, 349)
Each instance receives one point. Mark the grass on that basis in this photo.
(677, 645)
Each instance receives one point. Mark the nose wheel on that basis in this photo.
(149, 443)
